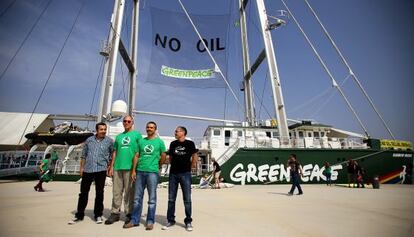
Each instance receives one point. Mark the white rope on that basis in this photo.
(209, 53)
(327, 70)
(350, 70)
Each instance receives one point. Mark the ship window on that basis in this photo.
(268, 134)
(322, 134)
(275, 134)
(309, 134)
(290, 134)
(216, 132)
(240, 133)
(300, 134)
(316, 134)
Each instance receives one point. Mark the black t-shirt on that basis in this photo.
(294, 166)
(180, 156)
(216, 166)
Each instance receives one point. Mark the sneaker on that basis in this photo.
(300, 193)
(149, 227)
(75, 220)
(127, 218)
(129, 225)
(99, 220)
(168, 225)
(36, 188)
(290, 194)
(112, 218)
(188, 227)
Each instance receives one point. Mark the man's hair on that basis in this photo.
(129, 116)
(152, 122)
(47, 156)
(184, 129)
(99, 124)
(293, 155)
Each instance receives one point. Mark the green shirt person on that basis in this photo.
(147, 162)
(125, 148)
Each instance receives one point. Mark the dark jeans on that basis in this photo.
(87, 179)
(184, 179)
(295, 183)
(328, 179)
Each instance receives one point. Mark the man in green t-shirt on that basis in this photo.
(151, 154)
(125, 148)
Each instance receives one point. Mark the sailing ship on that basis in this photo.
(250, 152)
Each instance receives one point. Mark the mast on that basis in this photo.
(105, 101)
(274, 76)
(134, 57)
(247, 84)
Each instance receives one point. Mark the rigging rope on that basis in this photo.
(96, 88)
(350, 70)
(24, 40)
(7, 8)
(51, 71)
(209, 53)
(327, 70)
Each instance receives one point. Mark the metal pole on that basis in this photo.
(134, 57)
(248, 95)
(274, 76)
(110, 65)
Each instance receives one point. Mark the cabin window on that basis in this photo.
(309, 134)
(290, 134)
(275, 134)
(268, 134)
(240, 133)
(216, 132)
(300, 134)
(322, 134)
(226, 137)
(316, 134)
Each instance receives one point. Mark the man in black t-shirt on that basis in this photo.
(183, 158)
(295, 173)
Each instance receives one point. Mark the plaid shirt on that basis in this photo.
(97, 154)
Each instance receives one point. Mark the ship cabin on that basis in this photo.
(225, 140)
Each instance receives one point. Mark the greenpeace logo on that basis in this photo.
(278, 172)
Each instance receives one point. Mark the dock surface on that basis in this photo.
(258, 210)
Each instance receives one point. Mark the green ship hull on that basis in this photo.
(265, 166)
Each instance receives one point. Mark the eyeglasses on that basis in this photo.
(178, 130)
(127, 121)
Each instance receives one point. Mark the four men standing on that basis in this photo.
(134, 163)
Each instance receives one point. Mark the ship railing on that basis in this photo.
(228, 153)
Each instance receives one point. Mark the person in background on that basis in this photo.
(45, 173)
(328, 173)
(216, 173)
(295, 174)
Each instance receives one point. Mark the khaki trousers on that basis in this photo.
(122, 186)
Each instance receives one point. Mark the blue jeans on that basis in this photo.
(184, 179)
(295, 182)
(144, 180)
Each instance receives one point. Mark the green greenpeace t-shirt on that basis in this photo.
(126, 145)
(149, 154)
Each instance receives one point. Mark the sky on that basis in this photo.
(375, 36)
